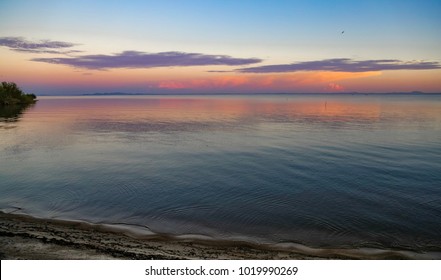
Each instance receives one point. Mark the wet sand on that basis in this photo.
(25, 237)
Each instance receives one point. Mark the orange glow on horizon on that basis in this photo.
(289, 81)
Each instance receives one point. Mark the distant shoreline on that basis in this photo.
(26, 237)
(263, 93)
(250, 94)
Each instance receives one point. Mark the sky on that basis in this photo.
(82, 47)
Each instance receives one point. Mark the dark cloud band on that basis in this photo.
(22, 45)
(134, 59)
(343, 65)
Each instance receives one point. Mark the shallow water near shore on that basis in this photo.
(326, 171)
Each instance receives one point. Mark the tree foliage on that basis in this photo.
(11, 94)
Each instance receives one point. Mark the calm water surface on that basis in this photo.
(330, 171)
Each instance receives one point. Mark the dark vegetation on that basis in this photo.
(11, 94)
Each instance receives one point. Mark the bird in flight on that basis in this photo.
(342, 32)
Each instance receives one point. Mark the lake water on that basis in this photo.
(320, 170)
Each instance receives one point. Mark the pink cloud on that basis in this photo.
(334, 87)
(302, 81)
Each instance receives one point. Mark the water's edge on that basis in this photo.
(142, 233)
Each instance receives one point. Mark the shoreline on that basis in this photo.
(26, 237)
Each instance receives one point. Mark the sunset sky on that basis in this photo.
(77, 47)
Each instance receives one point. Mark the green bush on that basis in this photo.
(11, 94)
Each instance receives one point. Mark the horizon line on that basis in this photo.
(245, 93)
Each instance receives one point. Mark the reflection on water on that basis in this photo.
(318, 170)
(11, 113)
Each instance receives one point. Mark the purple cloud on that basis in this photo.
(134, 59)
(46, 46)
(219, 71)
(344, 65)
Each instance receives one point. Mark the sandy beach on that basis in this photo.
(25, 237)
